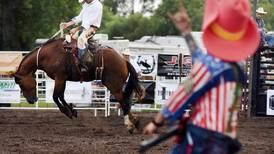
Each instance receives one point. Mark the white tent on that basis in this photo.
(9, 62)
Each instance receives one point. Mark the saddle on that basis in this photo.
(71, 46)
(88, 58)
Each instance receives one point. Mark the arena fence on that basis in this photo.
(86, 96)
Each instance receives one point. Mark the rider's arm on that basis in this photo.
(78, 18)
(65, 25)
(73, 21)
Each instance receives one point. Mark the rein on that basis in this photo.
(52, 37)
(57, 33)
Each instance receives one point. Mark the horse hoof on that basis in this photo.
(131, 130)
(68, 113)
(72, 105)
(69, 116)
(74, 113)
(137, 124)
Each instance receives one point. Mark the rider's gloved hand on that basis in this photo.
(90, 32)
(64, 25)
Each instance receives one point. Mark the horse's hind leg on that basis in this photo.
(129, 120)
(127, 102)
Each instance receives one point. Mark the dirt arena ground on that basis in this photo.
(51, 132)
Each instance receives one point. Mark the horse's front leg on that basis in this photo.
(58, 93)
(70, 106)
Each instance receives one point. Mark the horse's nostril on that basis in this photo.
(32, 100)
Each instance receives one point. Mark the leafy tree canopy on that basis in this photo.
(23, 21)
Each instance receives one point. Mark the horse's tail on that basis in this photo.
(133, 83)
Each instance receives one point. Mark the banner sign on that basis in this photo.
(150, 92)
(145, 62)
(9, 92)
(168, 65)
(149, 98)
(270, 102)
(164, 90)
(75, 92)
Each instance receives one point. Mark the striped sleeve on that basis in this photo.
(182, 98)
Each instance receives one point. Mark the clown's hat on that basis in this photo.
(229, 33)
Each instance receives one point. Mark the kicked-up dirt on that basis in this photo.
(49, 131)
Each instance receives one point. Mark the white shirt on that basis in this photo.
(91, 14)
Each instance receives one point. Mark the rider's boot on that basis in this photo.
(81, 56)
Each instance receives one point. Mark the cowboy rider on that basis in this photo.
(90, 16)
(260, 23)
(213, 86)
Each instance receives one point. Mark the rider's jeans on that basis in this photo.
(80, 53)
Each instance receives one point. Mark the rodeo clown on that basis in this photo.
(90, 16)
(214, 85)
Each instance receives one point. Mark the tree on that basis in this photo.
(24, 21)
(120, 7)
(126, 7)
(166, 27)
(135, 26)
(112, 5)
(147, 6)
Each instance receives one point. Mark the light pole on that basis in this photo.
(254, 8)
(253, 75)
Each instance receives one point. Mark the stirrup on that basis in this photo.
(83, 70)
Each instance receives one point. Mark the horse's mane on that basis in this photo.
(46, 43)
(36, 48)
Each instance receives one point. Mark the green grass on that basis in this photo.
(25, 104)
(46, 105)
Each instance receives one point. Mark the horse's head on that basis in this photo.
(27, 84)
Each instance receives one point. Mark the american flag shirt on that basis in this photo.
(210, 91)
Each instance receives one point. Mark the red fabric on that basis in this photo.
(189, 149)
(231, 15)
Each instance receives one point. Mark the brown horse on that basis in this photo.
(117, 75)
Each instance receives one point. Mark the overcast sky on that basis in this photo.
(137, 6)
